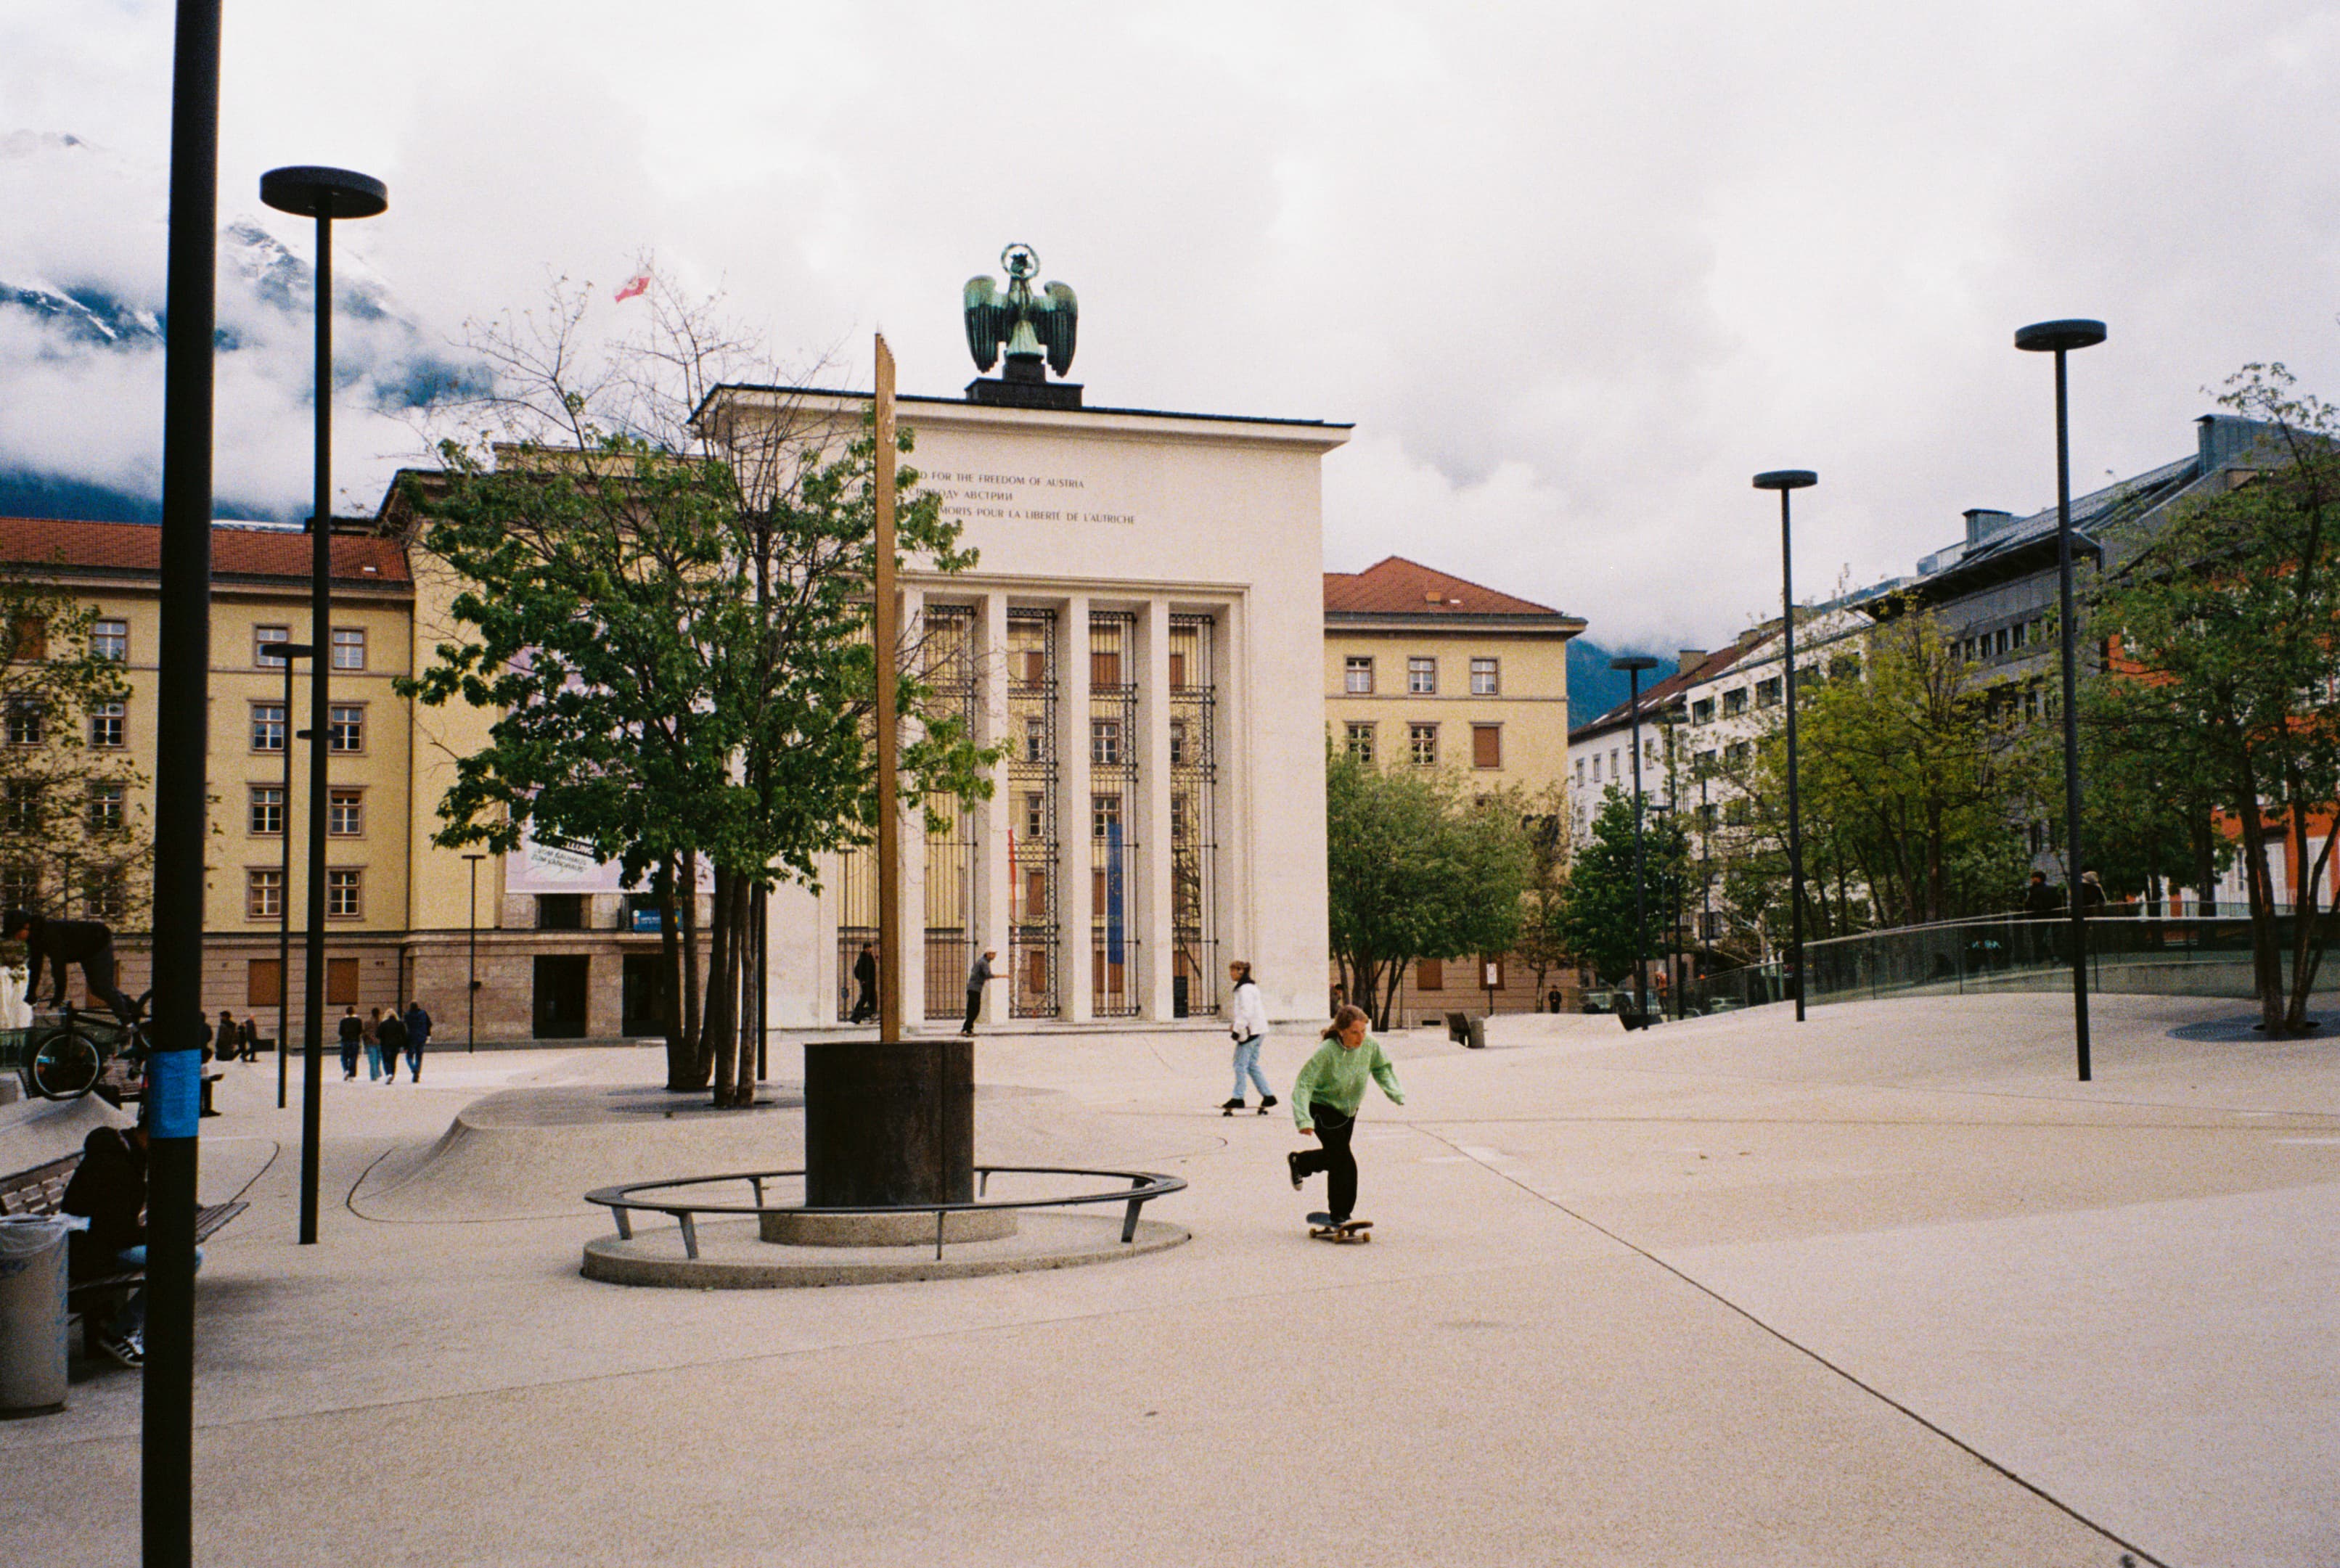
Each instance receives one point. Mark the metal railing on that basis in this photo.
(624, 1201)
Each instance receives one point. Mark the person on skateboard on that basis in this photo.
(1324, 1101)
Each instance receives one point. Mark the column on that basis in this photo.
(913, 818)
(1286, 995)
(1076, 909)
(1156, 993)
(993, 817)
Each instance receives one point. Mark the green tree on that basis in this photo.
(1543, 940)
(1417, 868)
(1598, 918)
(673, 631)
(73, 834)
(2227, 626)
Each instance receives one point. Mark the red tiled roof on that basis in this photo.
(1397, 586)
(136, 548)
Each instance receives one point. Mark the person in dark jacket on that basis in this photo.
(109, 1189)
(2039, 900)
(87, 942)
(391, 1034)
(352, 1029)
(418, 1035)
(865, 976)
(227, 1044)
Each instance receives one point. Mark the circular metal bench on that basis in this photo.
(624, 1201)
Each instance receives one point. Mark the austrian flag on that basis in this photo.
(639, 286)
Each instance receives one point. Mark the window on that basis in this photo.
(1486, 678)
(1105, 743)
(20, 887)
(1105, 815)
(20, 809)
(1847, 667)
(349, 647)
(1580, 770)
(1738, 751)
(1704, 762)
(106, 803)
(340, 983)
(263, 893)
(1429, 974)
(345, 893)
(106, 726)
(1701, 712)
(264, 636)
(1104, 668)
(105, 895)
(1361, 744)
(1486, 745)
(1036, 820)
(31, 643)
(2015, 634)
(558, 911)
(1035, 740)
(1734, 701)
(1422, 677)
(1177, 742)
(1422, 740)
(263, 983)
(268, 726)
(1179, 816)
(346, 727)
(267, 815)
(26, 723)
(1614, 771)
(1596, 767)
(1767, 693)
(1357, 676)
(345, 813)
(1998, 640)
(1177, 671)
(109, 640)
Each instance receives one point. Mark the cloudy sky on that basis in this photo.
(1574, 271)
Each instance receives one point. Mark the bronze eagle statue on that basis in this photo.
(1030, 324)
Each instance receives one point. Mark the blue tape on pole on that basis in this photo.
(175, 1093)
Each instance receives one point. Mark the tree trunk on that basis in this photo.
(2307, 934)
(2206, 873)
(715, 1024)
(735, 1070)
(682, 1071)
(694, 1042)
(2266, 953)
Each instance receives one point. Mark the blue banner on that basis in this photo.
(1113, 953)
(175, 1093)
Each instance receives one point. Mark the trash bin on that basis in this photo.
(32, 1315)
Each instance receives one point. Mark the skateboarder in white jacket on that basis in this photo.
(1247, 1021)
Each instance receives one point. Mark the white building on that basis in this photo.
(1145, 631)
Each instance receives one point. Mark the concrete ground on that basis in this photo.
(1887, 1287)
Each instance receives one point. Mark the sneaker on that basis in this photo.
(1291, 1163)
(125, 1349)
(1232, 1106)
(1269, 1102)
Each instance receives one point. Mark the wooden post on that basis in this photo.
(882, 632)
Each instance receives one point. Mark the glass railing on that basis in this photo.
(2128, 949)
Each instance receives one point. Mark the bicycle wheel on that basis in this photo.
(62, 1065)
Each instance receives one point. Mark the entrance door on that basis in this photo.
(643, 1004)
(561, 995)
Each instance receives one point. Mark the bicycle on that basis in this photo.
(66, 1059)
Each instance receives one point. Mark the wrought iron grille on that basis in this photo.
(1193, 817)
(1114, 857)
(950, 657)
(856, 924)
(1035, 987)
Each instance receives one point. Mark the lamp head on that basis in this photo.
(285, 653)
(1787, 479)
(1633, 662)
(313, 191)
(2055, 337)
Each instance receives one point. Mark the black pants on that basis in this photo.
(865, 1004)
(974, 1006)
(97, 975)
(1332, 1156)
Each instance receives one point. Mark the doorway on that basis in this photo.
(642, 1006)
(560, 981)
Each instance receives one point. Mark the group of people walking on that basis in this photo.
(383, 1037)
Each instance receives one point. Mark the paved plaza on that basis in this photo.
(1889, 1287)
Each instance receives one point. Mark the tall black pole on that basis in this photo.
(166, 1494)
(287, 652)
(471, 979)
(1633, 664)
(2059, 338)
(324, 194)
(1784, 481)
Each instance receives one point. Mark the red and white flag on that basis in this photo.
(639, 285)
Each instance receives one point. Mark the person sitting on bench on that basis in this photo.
(109, 1188)
(88, 943)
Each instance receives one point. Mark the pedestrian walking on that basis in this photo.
(1247, 1021)
(1325, 1098)
(371, 1035)
(2092, 893)
(248, 1033)
(978, 976)
(352, 1029)
(418, 1035)
(865, 976)
(392, 1033)
(228, 1043)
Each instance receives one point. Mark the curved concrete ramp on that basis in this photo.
(36, 1131)
(732, 1257)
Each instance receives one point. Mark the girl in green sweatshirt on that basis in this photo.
(1324, 1101)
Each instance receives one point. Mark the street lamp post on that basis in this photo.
(2060, 338)
(324, 194)
(284, 653)
(471, 991)
(1633, 664)
(1784, 481)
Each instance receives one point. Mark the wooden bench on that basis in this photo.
(42, 1189)
(116, 1086)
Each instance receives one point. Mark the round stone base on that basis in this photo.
(732, 1257)
(911, 1227)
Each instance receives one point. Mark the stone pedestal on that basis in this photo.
(889, 1124)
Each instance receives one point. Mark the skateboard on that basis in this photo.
(1324, 1228)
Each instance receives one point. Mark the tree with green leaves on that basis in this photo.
(73, 834)
(1599, 920)
(1543, 940)
(2226, 626)
(674, 634)
(1417, 868)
